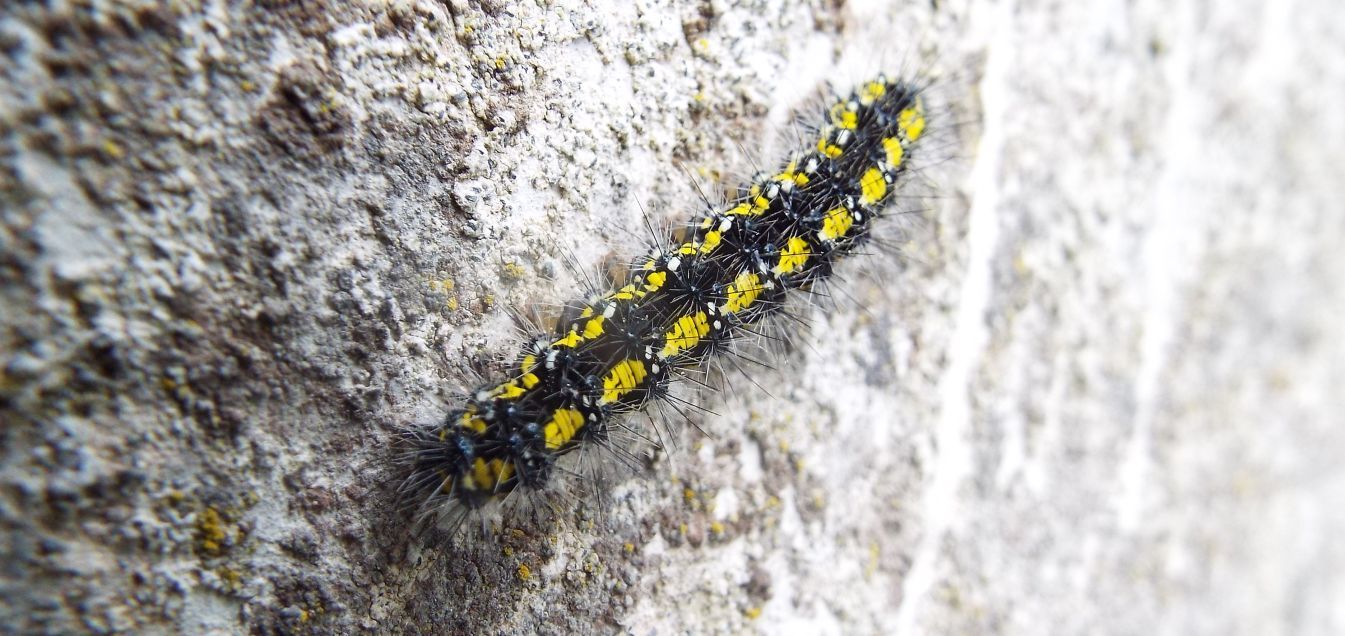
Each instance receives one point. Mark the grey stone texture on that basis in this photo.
(1088, 388)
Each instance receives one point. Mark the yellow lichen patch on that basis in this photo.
(911, 121)
(875, 560)
(836, 224)
(895, 152)
(827, 148)
(210, 526)
(231, 577)
(514, 271)
(561, 428)
(685, 334)
(872, 186)
(625, 377)
(524, 572)
(744, 291)
(842, 116)
(444, 285)
(793, 257)
(111, 149)
(871, 92)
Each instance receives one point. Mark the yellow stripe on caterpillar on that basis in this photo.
(895, 152)
(488, 475)
(593, 328)
(570, 340)
(873, 187)
(711, 241)
(911, 121)
(790, 176)
(655, 281)
(871, 92)
(742, 293)
(836, 224)
(469, 421)
(686, 333)
(843, 114)
(793, 257)
(561, 428)
(625, 376)
(827, 148)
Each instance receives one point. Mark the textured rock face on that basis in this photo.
(241, 248)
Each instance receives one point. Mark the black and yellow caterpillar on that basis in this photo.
(680, 307)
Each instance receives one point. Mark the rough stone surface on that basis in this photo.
(242, 246)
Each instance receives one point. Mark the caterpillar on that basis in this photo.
(683, 305)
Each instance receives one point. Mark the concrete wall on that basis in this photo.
(1094, 392)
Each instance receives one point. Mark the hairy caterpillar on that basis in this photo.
(682, 306)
